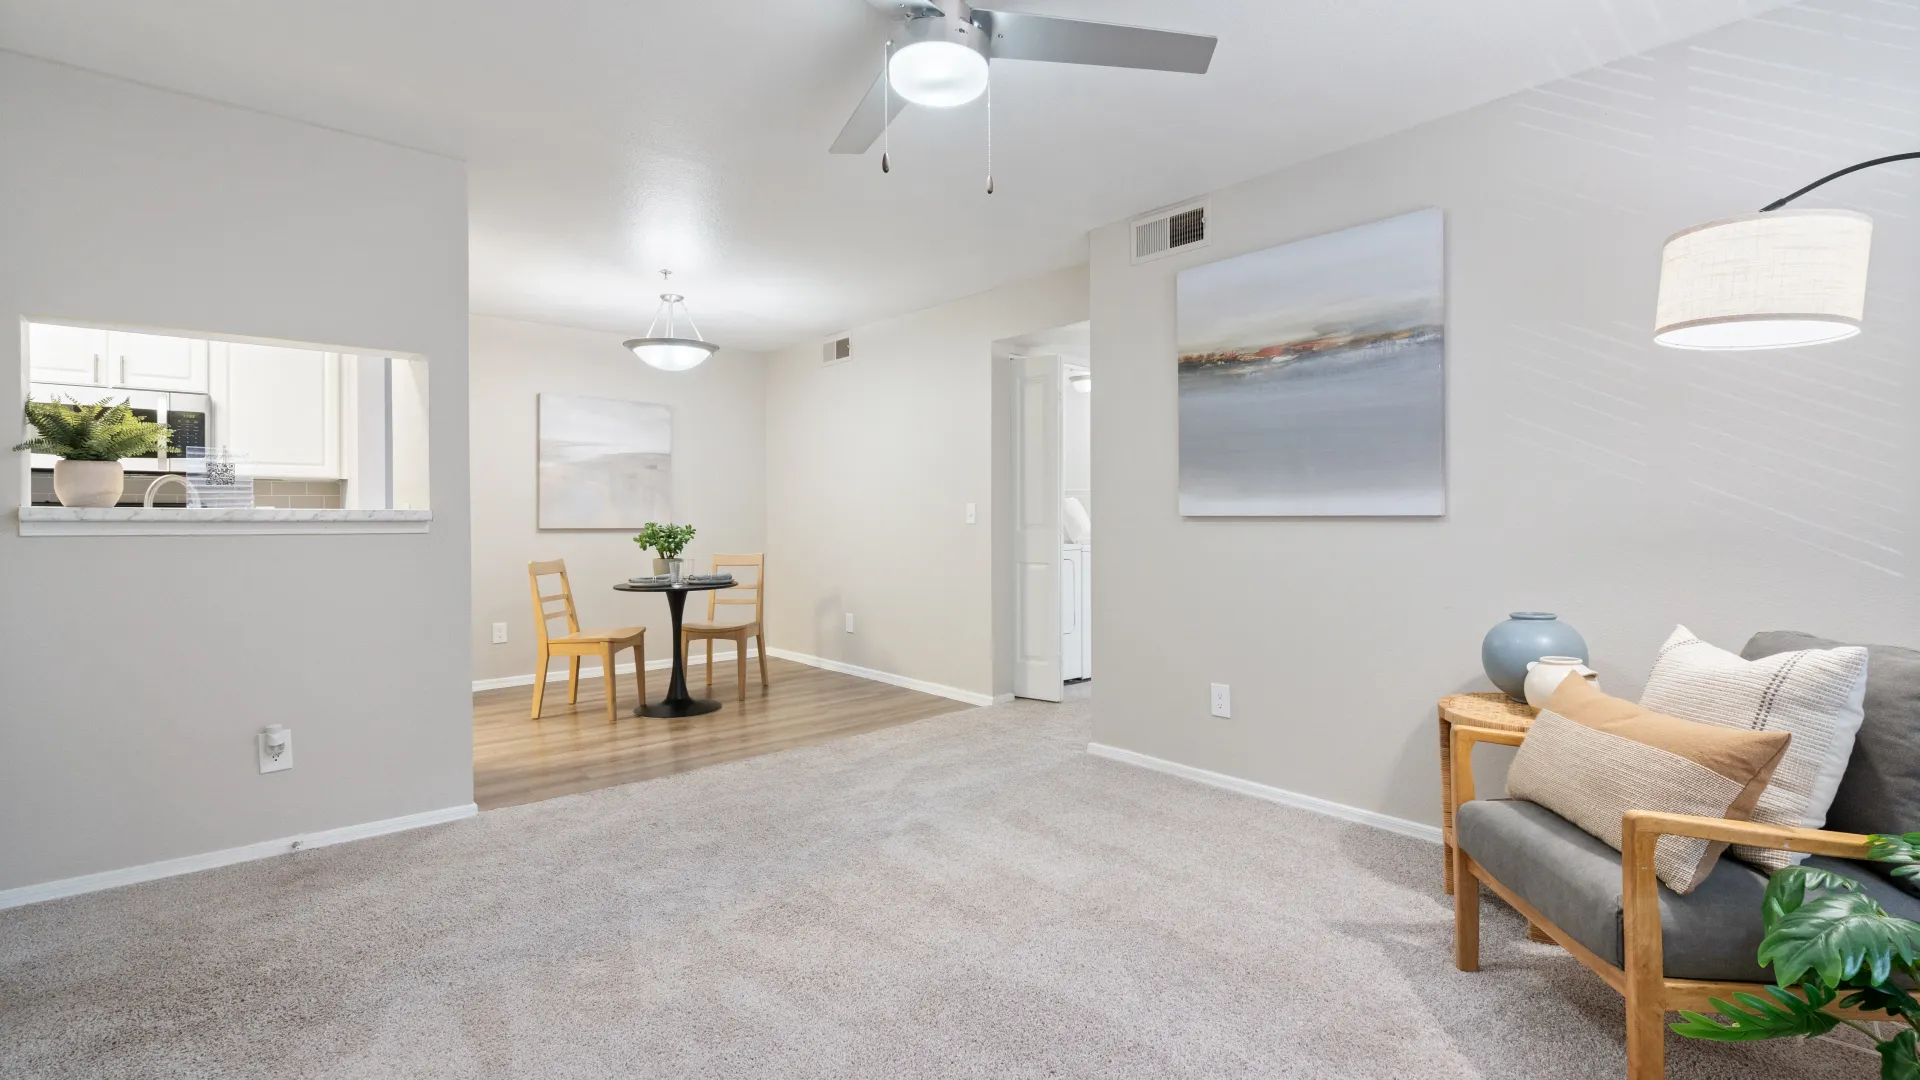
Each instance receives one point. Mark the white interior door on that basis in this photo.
(1036, 513)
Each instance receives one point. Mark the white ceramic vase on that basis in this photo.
(1545, 675)
(88, 483)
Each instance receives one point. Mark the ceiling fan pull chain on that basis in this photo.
(886, 106)
(989, 129)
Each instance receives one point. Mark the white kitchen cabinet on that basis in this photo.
(115, 359)
(280, 407)
(156, 362)
(66, 354)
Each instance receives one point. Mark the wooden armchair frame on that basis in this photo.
(1650, 994)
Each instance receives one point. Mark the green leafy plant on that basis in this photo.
(102, 431)
(1831, 943)
(667, 541)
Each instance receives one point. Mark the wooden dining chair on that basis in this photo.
(576, 643)
(738, 633)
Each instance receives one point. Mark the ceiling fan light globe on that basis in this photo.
(938, 74)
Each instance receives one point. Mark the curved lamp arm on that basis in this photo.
(1778, 203)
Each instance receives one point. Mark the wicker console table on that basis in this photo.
(1489, 710)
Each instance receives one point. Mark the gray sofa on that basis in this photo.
(1574, 886)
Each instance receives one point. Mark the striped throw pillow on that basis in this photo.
(1816, 695)
(1591, 758)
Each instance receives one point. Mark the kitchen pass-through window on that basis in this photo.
(249, 423)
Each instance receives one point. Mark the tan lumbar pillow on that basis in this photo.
(1591, 758)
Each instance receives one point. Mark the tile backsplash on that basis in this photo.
(300, 494)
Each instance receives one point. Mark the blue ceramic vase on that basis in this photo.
(1526, 636)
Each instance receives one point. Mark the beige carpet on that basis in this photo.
(971, 895)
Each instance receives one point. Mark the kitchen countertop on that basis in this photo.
(176, 520)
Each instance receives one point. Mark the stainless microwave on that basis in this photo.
(189, 418)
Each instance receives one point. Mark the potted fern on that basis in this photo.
(90, 440)
(1830, 944)
(667, 542)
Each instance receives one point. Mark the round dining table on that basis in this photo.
(677, 702)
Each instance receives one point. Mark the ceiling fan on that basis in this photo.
(940, 49)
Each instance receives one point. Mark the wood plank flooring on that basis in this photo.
(573, 748)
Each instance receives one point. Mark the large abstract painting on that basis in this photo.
(604, 464)
(1313, 376)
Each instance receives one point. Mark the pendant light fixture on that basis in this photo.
(669, 352)
(1771, 280)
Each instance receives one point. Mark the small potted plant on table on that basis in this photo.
(90, 440)
(667, 542)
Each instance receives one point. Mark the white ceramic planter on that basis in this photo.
(88, 483)
(1545, 675)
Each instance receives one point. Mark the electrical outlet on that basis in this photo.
(973, 513)
(849, 622)
(1223, 701)
(275, 745)
(499, 633)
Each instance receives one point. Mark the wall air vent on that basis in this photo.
(837, 350)
(1164, 232)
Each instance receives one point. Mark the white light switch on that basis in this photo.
(973, 513)
(1222, 701)
(849, 622)
(499, 633)
(276, 748)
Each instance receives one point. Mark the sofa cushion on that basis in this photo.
(1881, 789)
(1573, 880)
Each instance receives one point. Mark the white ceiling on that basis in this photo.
(609, 138)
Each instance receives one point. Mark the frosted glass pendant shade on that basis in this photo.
(670, 351)
(671, 354)
(1765, 281)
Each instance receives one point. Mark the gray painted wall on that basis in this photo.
(135, 670)
(1626, 486)
(719, 480)
(870, 465)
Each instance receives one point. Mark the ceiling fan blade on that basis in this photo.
(1016, 36)
(909, 9)
(864, 126)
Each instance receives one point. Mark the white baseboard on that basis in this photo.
(109, 879)
(661, 664)
(1342, 811)
(936, 689)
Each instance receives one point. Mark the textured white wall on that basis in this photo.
(135, 670)
(719, 478)
(1626, 486)
(870, 465)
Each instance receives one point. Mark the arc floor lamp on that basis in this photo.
(1770, 280)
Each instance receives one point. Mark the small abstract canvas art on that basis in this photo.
(604, 464)
(1313, 376)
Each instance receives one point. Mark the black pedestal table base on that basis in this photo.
(678, 701)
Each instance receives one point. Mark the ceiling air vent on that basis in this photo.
(837, 350)
(1166, 231)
